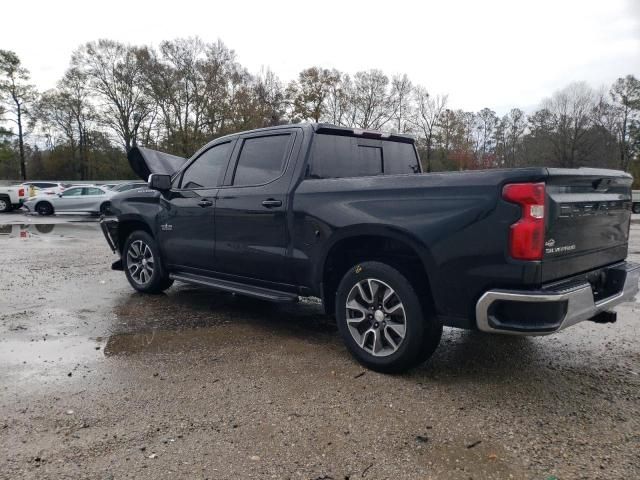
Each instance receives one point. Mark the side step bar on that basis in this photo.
(235, 287)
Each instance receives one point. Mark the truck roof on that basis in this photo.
(330, 129)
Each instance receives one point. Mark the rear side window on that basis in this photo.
(92, 191)
(334, 156)
(72, 192)
(205, 170)
(261, 159)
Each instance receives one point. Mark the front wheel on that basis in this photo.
(143, 264)
(382, 319)
(636, 207)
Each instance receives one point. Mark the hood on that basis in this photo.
(145, 161)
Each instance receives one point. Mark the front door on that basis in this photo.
(186, 224)
(251, 209)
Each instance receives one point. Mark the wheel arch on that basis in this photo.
(128, 225)
(44, 200)
(371, 242)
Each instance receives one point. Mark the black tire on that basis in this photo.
(44, 208)
(159, 280)
(5, 205)
(422, 328)
(636, 207)
(105, 208)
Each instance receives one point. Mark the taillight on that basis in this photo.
(526, 238)
(21, 192)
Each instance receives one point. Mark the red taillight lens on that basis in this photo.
(526, 238)
(21, 192)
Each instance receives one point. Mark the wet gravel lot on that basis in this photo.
(97, 381)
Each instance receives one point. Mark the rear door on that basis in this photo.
(185, 224)
(589, 215)
(251, 209)
(92, 197)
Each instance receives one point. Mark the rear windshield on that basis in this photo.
(334, 156)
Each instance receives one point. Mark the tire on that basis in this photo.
(141, 251)
(44, 208)
(422, 330)
(636, 207)
(5, 205)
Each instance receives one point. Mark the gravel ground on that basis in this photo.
(97, 381)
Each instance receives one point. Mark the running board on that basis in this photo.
(235, 287)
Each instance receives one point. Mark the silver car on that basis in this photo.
(79, 198)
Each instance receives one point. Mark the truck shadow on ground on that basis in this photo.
(462, 355)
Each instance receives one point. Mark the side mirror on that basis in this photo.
(60, 194)
(159, 182)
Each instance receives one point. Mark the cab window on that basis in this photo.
(205, 171)
(261, 159)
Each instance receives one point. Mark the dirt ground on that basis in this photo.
(97, 381)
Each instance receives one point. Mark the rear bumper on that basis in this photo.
(558, 306)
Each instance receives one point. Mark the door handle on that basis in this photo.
(271, 203)
(205, 203)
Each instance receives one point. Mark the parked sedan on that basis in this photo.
(79, 198)
(125, 187)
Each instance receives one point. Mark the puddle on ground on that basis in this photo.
(48, 231)
(57, 352)
(192, 318)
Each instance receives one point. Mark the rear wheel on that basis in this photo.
(44, 208)
(143, 264)
(636, 207)
(5, 205)
(382, 319)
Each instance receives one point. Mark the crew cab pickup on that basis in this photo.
(348, 216)
(12, 197)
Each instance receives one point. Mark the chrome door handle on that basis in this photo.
(205, 203)
(271, 203)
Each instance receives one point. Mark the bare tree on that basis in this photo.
(570, 116)
(338, 104)
(401, 91)
(427, 116)
(372, 104)
(514, 124)
(68, 110)
(309, 93)
(17, 95)
(625, 92)
(115, 72)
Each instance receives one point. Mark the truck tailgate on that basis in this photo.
(588, 219)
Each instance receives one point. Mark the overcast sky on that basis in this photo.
(491, 53)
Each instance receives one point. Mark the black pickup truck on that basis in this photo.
(348, 216)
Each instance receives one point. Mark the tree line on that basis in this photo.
(185, 92)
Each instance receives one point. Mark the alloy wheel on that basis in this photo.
(376, 317)
(140, 262)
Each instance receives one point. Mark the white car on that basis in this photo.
(46, 188)
(79, 198)
(12, 197)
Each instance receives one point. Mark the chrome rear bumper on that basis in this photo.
(552, 309)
